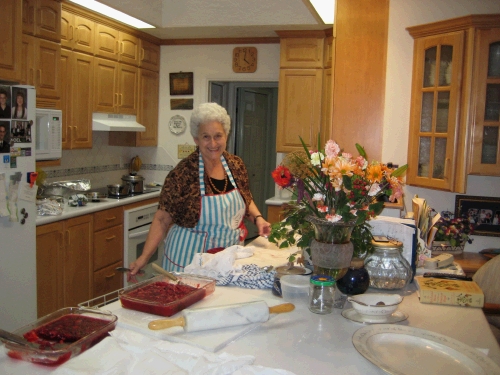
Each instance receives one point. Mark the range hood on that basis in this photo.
(109, 122)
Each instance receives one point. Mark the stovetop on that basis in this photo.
(104, 190)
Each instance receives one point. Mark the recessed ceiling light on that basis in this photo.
(113, 13)
(325, 9)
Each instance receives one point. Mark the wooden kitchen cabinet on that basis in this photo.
(42, 18)
(108, 250)
(301, 92)
(11, 32)
(40, 66)
(77, 32)
(275, 214)
(455, 106)
(116, 45)
(150, 56)
(77, 83)
(64, 263)
(115, 87)
(147, 114)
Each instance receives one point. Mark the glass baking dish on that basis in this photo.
(129, 299)
(54, 352)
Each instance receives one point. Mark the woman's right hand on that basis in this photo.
(135, 267)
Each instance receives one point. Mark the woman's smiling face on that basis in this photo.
(211, 140)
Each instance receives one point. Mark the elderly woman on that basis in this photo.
(206, 197)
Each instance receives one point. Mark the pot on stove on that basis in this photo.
(135, 183)
(118, 190)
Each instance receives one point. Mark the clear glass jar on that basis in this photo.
(321, 294)
(387, 267)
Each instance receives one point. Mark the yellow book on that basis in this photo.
(449, 292)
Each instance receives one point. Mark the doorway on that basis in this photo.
(253, 109)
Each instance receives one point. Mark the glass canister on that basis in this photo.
(387, 267)
(321, 294)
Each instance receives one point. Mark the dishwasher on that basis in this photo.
(137, 222)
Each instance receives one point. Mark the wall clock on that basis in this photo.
(177, 124)
(244, 59)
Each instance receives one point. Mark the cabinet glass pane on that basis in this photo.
(430, 67)
(494, 60)
(490, 145)
(445, 65)
(443, 106)
(492, 108)
(439, 158)
(424, 156)
(426, 115)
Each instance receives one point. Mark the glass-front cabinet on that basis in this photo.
(455, 104)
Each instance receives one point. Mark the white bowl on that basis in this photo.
(295, 289)
(390, 303)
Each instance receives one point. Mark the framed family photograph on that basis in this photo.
(483, 212)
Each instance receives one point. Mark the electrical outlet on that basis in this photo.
(184, 150)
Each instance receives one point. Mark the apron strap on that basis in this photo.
(201, 173)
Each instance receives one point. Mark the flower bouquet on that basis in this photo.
(333, 186)
(451, 234)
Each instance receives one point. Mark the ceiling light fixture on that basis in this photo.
(113, 13)
(325, 9)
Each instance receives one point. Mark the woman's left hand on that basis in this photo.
(264, 227)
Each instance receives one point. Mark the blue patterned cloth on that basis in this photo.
(250, 276)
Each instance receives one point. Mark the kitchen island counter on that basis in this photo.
(91, 207)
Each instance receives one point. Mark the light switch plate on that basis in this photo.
(184, 150)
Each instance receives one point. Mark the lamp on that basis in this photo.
(113, 13)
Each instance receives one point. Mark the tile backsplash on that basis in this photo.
(104, 164)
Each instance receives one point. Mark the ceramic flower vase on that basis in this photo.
(356, 280)
(331, 249)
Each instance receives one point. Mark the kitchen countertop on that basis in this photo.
(303, 342)
(92, 207)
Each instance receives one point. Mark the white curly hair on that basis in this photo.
(208, 112)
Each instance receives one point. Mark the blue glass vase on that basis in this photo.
(356, 280)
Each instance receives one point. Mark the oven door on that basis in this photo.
(134, 245)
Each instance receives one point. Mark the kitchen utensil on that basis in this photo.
(222, 316)
(125, 269)
(135, 165)
(132, 298)
(161, 271)
(135, 182)
(378, 304)
(16, 338)
(95, 196)
(449, 276)
(118, 190)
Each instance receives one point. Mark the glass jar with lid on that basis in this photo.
(387, 267)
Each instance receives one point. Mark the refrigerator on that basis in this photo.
(18, 303)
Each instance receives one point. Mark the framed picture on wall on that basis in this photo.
(483, 212)
(181, 83)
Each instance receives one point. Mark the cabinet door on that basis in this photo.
(82, 90)
(129, 49)
(108, 247)
(28, 17)
(28, 62)
(301, 53)
(435, 106)
(147, 112)
(78, 273)
(326, 106)
(48, 20)
(49, 268)
(67, 30)
(106, 42)
(47, 60)
(84, 35)
(299, 108)
(107, 280)
(150, 56)
(11, 32)
(65, 72)
(128, 81)
(485, 159)
(105, 85)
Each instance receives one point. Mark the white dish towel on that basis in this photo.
(129, 352)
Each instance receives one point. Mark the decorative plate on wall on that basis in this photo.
(177, 124)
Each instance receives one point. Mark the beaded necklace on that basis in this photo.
(213, 185)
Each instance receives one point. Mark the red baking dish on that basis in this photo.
(162, 296)
(61, 335)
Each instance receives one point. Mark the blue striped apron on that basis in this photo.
(218, 225)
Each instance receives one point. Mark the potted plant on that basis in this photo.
(334, 190)
(451, 234)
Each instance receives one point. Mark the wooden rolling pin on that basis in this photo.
(222, 316)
